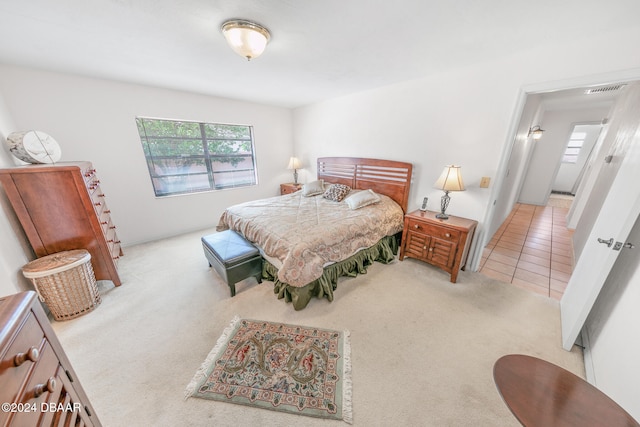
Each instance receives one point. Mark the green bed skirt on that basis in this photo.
(384, 251)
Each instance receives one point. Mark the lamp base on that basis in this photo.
(295, 176)
(444, 204)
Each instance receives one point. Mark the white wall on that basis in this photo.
(515, 163)
(13, 246)
(548, 150)
(95, 120)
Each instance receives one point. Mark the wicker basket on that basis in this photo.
(65, 282)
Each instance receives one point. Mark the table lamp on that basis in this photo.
(294, 164)
(450, 180)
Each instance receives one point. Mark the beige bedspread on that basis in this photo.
(307, 233)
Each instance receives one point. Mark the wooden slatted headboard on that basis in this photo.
(387, 177)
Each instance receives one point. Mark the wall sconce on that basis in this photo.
(294, 164)
(246, 38)
(450, 180)
(536, 132)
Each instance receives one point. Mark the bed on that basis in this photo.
(309, 241)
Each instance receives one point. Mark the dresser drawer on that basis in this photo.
(44, 392)
(28, 338)
(42, 387)
(435, 231)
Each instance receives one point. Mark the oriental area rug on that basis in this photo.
(295, 369)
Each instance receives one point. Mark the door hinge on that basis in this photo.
(608, 242)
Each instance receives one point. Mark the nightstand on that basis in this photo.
(442, 243)
(289, 188)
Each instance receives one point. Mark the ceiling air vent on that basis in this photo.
(604, 89)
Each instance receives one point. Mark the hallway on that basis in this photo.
(532, 249)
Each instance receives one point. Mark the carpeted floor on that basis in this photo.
(422, 348)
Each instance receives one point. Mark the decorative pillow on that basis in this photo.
(313, 188)
(336, 192)
(362, 199)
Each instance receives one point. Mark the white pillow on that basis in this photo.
(362, 199)
(313, 188)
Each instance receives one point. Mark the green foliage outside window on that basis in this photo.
(187, 157)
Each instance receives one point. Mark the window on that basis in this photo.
(576, 141)
(190, 157)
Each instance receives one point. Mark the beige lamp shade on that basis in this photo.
(450, 179)
(294, 163)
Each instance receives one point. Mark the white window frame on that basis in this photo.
(574, 146)
(184, 160)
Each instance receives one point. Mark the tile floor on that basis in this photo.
(532, 249)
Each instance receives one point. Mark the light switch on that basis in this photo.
(484, 182)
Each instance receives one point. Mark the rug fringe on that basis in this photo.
(347, 408)
(202, 371)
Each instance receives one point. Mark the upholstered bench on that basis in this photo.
(233, 257)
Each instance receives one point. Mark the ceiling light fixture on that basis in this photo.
(246, 38)
(536, 132)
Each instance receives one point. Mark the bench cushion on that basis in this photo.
(233, 257)
(230, 248)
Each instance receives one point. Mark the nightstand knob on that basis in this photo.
(424, 247)
(416, 226)
(448, 234)
(430, 249)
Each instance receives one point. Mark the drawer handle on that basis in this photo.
(113, 227)
(32, 354)
(448, 235)
(430, 249)
(49, 386)
(97, 204)
(416, 226)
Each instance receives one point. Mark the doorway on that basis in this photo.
(528, 242)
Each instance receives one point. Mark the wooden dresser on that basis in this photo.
(61, 207)
(38, 386)
(443, 243)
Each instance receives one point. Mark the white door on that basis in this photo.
(620, 209)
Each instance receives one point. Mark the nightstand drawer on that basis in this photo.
(435, 231)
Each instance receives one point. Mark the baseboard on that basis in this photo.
(588, 359)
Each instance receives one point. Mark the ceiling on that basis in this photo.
(319, 49)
